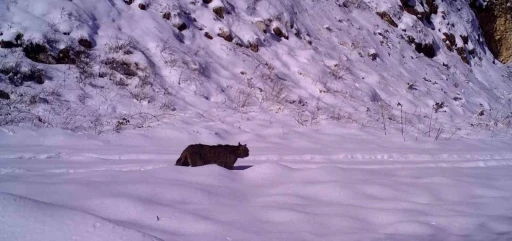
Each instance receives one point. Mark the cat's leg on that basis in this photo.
(194, 160)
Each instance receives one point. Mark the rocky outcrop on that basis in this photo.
(386, 17)
(495, 19)
(4, 95)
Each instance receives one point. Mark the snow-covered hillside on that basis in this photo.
(132, 64)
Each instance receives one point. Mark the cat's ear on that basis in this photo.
(239, 144)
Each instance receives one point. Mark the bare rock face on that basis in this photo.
(219, 11)
(261, 26)
(253, 46)
(142, 6)
(449, 41)
(226, 35)
(495, 20)
(461, 51)
(86, 43)
(208, 35)
(386, 17)
(8, 44)
(181, 27)
(4, 95)
(426, 49)
(167, 15)
(277, 31)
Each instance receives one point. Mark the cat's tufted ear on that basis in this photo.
(239, 144)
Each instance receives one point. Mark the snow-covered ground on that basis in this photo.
(343, 183)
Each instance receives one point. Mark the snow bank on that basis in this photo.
(366, 187)
(27, 219)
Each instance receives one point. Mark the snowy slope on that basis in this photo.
(336, 61)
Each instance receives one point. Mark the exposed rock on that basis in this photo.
(65, 56)
(18, 39)
(239, 44)
(207, 1)
(461, 51)
(411, 8)
(472, 52)
(373, 56)
(86, 43)
(121, 66)
(386, 17)
(410, 39)
(433, 8)
(142, 6)
(129, 2)
(226, 36)
(426, 49)
(4, 95)
(407, 7)
(449, 41)
(277, 31)
(261, 26)
(167, 15)
(38, 53)
(253, 46)
(219, 11)
(35, 75)
(8, 44)
(181, 27)
(465, 39)
(208, 35)
(495, 20)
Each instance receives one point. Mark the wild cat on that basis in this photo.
(222, 155)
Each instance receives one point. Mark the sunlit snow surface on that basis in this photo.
(342, 185)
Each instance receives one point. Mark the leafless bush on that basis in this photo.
(49, 38)
(17, 75)
(339, 70)
(119, 81)
(166, 46)
(305, 118)
(121, 66)
(121, 124)
(145, 80)
(119, 45)
(140, 95)
(338, 115)
(70, 117)
(276, 94)
(143, 119)
(242, 98)
(84, 65)
(440, 131)
(168, 105)
(83, 97)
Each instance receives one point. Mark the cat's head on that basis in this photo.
(243, 151)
